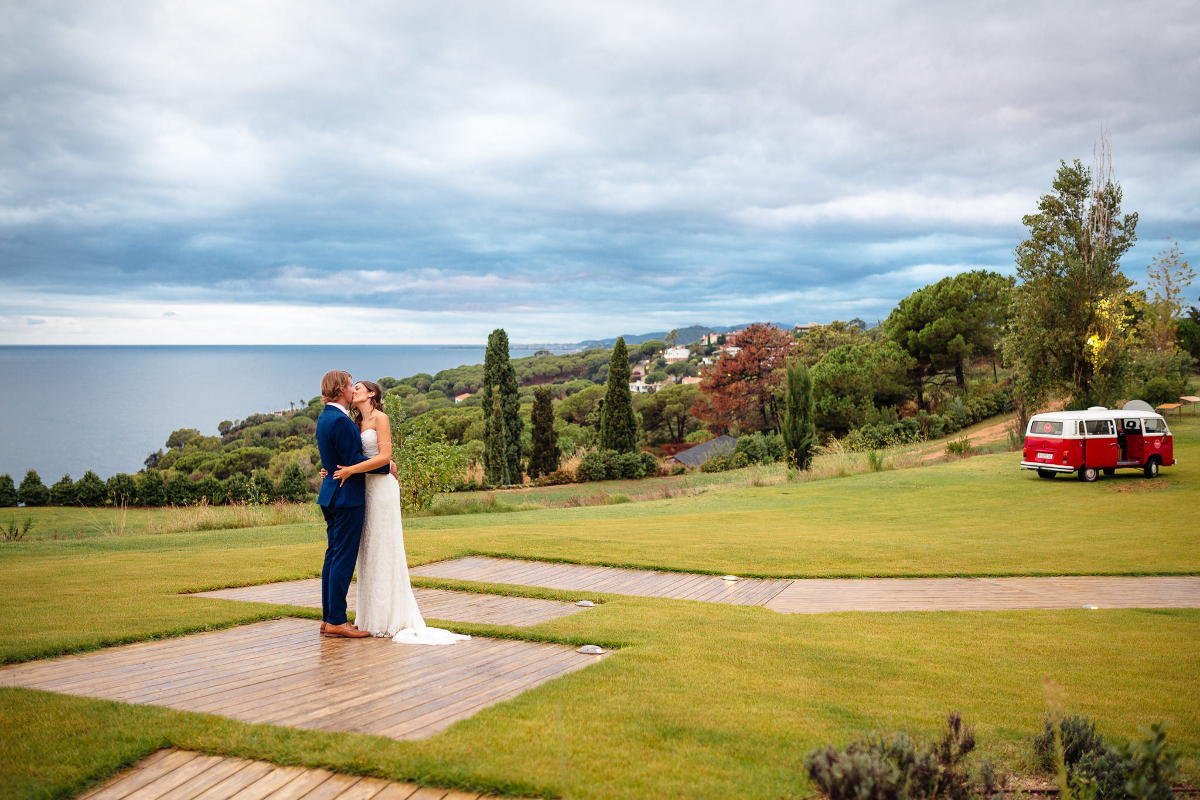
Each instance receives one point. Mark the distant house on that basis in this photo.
(695, 456)
(805, 327)
(460, 397)
(639, 369)
(729, 349)
(641, 387)
(690, 380)
(674, 354)
(710, 338)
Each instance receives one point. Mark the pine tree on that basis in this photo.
(797, 427)
(63, 493)
(33, 492)
(293, 486)
(91, 490)
(544, 458)
(618, 426)
(502, 414)
(8, 491)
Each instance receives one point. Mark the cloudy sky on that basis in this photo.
(303, 172)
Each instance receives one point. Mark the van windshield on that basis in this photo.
(1043, 427)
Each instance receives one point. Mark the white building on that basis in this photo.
(674, 354)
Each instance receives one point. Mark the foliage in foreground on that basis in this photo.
(426, 464)
(1089, 768)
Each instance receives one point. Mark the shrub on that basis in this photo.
(593, 466)
(629, 466)
(180, 491)
(650, 464)
(236, 488)
(678, 469)
(556, 478)
(1150, 766)
(739, 461)
(293, 486)
(901, 768)
(875, 460)
(14, 532)
(262, 488)
(1078, 736)
(960, 447)
(63, 493)
(1157, 391)
(698, 437)
(8, 491)
(90, 491)
(33, 492)
(122, 490)
(717, 463)
(152, 489)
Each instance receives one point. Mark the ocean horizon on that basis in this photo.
(71, 408)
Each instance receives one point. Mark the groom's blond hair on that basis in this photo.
(332, 384)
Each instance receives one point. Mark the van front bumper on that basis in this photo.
(1045, 466)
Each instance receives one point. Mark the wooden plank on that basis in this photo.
(175, 778)
(365, 789)
(215, 774)
(248, 776)
(269, 783)
(125, 784)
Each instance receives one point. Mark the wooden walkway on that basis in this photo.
(492, 609)
(183, 775)
(283, 672)
(815, 596)
(575, 577)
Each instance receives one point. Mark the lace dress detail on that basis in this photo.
(386, 606)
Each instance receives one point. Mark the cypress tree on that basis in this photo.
(618, 426)
(502, 423)
(544, 458)
(33, 492)
(796, 426)
(8, 491)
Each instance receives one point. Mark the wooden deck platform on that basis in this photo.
(184, 775)
(814, 596)
(283, 672)
(435, 604)
(576, 577)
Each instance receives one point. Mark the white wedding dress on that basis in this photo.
(386, 606)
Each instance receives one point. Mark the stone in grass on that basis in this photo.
(585, 604)
(591, 650)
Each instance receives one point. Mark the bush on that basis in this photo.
(152, 489)
(122, 490)
(556, 478)
(901, 768)
(760, 448)
(8, 491)
(293, 486)
(698, 437)
(960, 447)
(592, 467)
(90, 490)
(262, 488)
(717, 463)
(1157, 391)
(180, 491)
(33, 492)
(236, 488)
(1150, 766)
(1079, 739)
(650, 465)
(63, 493)
(678, 469)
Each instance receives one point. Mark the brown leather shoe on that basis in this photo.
(344, 631)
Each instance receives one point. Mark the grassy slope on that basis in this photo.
(704, 700)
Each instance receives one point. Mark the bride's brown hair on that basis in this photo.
(376, 395)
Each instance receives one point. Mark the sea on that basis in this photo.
(68, 409)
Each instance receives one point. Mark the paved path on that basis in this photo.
(814, 596)
(574, 577)
(283, 672)
(435, 604)
(179, 774)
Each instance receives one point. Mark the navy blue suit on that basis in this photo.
(340, 444)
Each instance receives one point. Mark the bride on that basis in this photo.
(386, 606)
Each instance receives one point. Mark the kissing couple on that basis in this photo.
(360, 499)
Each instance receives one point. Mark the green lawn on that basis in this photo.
(702, 700)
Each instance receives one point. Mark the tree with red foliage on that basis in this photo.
(745, 387)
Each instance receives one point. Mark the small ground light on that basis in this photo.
(730, 578)
(1091, 608)
(591, 650)
(585, 604)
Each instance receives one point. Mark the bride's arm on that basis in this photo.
(383, 429)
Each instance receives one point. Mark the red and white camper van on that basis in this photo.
(1097, 439)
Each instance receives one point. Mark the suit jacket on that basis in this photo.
(340, 443)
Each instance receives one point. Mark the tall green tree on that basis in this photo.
(152, 489)
(797, 425)
(91, 490)
(502, 414)
(850, 381)
(946, 323)
(122, 490)
(8, 491)
(618, 426)
(1069, 330)
(544, 458)
(669, 410)
(33, 492)
(63, 493)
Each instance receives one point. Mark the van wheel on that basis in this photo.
(1046, 473)
(1088, 474)
(1152, 467)
(1110, 470)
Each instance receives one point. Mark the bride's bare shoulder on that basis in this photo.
(380, 422)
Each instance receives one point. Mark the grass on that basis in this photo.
(702, 700)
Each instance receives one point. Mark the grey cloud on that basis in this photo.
(778, 157)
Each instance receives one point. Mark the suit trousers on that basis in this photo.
(343, 531)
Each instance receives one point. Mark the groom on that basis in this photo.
(342, 504)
